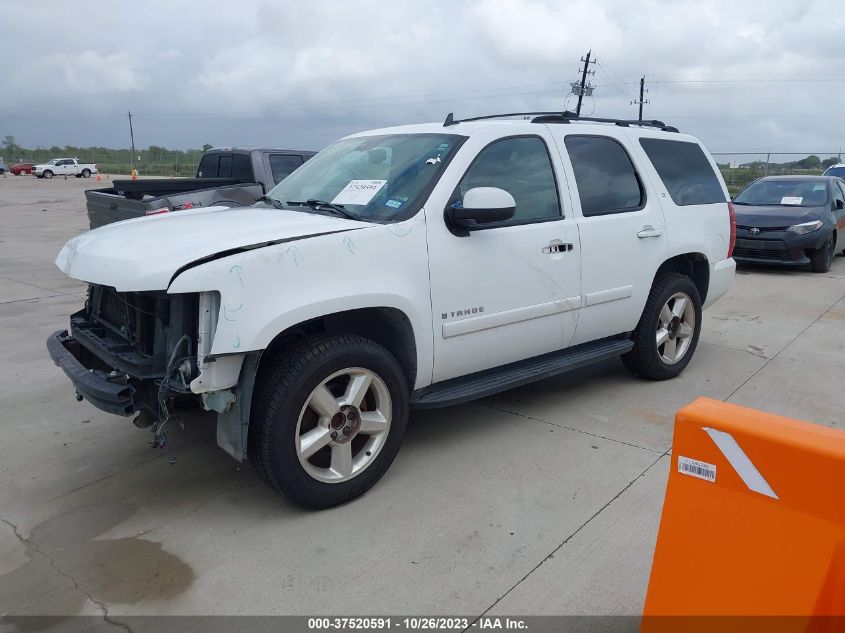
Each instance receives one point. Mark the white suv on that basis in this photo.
(416, 266)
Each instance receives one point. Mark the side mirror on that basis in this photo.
(839, 204)
(481, 205)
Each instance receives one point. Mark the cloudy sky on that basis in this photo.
(740, 75)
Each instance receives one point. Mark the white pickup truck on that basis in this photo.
(64, 167)
(417, 266)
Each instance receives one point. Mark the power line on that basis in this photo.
(619, 81)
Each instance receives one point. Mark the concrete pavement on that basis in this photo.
(541, 500)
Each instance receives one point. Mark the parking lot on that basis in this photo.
(541, 500)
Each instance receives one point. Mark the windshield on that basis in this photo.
(378, 178)
(53, 162)
(787, 193)
(839, 172)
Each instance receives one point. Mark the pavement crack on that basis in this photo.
(32, 548)
(563, 426)
(577, 530)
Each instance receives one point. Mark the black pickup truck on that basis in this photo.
(225, 176)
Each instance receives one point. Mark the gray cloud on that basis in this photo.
(304, 73)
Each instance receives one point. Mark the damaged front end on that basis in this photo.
(130, 352)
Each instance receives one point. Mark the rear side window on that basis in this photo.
(208, 166)
(685, 170)
(242, 168)
(282, 166)
(606, 178)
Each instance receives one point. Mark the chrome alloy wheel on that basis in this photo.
(675, 328)
(343, 425)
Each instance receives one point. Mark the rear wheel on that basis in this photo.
(48, 174)
(822, 258)
(667, 334)
(329, 420)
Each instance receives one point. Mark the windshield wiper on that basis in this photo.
(338, 209)
(276, 203)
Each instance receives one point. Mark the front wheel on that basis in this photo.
(329, 420)
(822, 258)
(48, 174)
(86, 173)
(667, 334)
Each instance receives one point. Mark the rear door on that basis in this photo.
(621, 227)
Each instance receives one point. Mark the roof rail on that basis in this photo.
(562, 117)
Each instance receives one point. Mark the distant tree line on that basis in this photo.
(737, 177)
(153, 161)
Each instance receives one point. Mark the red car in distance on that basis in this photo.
(21, 169)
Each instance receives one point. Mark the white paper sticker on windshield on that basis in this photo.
(358, 192)
(791, 200)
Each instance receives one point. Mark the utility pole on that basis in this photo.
(641, 100)
(132, 138)
(583, 88)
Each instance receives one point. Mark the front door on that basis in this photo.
(511, 290)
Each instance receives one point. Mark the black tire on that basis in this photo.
(822, 258)
(285, 387)
(644, 359)
(86, 173)
(47, 174)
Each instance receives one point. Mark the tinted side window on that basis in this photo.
(685, 170)
(838, 192)
(521, 166)
(606, 178)
(242, 168)
(283, 166)
(225, 168)
(208, 166)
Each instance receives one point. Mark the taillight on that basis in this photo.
(733, 229)
(166, 210)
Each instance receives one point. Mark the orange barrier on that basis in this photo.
(753, 522)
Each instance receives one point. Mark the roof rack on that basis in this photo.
(562, 117)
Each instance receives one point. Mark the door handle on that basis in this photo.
(649, 231)
(557, 248)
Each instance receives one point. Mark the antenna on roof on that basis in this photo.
(450, 120)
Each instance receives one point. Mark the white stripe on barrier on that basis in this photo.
(739, 460)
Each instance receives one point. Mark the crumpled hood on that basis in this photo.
(144, 253)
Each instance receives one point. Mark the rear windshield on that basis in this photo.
(208, 166)
(242, 168)
(839, 172)
(685, 171)
(786, 193)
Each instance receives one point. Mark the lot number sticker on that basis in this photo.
(791, 200)
(358, 192)
(695, 468)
